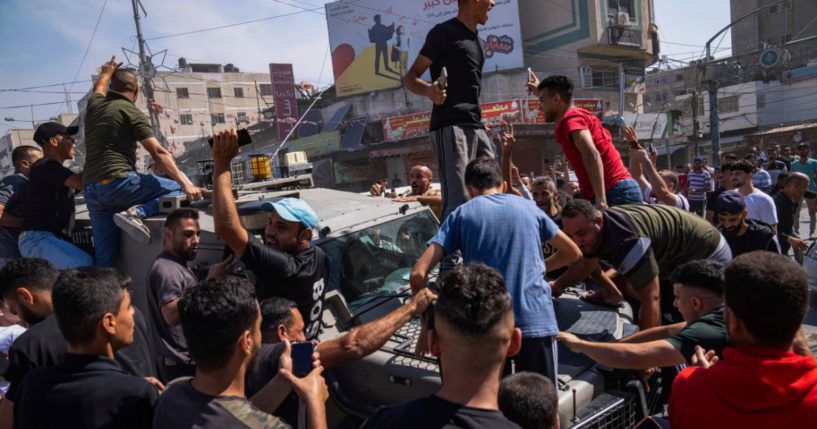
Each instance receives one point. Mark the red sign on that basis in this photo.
(283, 95)
(494, 114)
(406, 127)
(594, 105)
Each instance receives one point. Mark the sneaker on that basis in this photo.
(133, 226)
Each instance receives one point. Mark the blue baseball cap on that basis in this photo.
(293, 210)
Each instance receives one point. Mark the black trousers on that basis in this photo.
(536, 355)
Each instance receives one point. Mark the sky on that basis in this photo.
(43, 42)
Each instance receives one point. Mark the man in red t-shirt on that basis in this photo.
(603, 178)
(760, 381)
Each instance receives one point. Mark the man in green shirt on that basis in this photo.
(698, 289)
(807, 166)
(644, 243)
(115, 193)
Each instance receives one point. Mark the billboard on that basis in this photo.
(373, 42)
(283, 95)
(317, 145)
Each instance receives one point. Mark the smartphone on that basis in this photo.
(443, 81)
(651, 149)
(243, 138)
(429, 315)
(302, 358)
(531, 79)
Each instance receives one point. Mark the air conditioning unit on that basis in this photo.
(623, 19)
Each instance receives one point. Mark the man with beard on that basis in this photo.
(725, 184)
(422, 192)
(744, 235)
(169, 276)
(287, 265)
(759, 205)
(786, 202)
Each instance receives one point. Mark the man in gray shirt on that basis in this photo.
(169, 276)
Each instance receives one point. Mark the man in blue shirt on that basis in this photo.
(498, 230)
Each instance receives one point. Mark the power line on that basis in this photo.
(45, 86)
(25, 106)
(221, 27)
(88, 47)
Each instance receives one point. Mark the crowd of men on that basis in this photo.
(700, 253)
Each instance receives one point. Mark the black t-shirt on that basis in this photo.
(43, 346)
(786, 209)
(452, 45)
(758, 236)
(435, 412)
(182, 406)
(300, 278)
(49, 205)
(13, 190)
(85, 392)
(709, 332)
(167, 279)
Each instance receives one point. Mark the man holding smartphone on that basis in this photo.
(457, 133)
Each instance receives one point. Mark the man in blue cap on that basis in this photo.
(744, 235)
(286, 264)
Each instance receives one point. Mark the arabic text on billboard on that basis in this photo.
(283, 95)
(373, 42)
(318, 144)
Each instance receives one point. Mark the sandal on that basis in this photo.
(596, 297)
(129, 222)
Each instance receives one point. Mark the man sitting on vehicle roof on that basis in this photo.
(287, 265)
(421, 190)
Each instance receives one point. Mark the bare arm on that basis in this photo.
(577, 272)
(659, 353)
(566, 252)
(417, 85)
(637, 173)
(659, 188)
(225, 215)
(104, 79)
(592, 164)
(653, 334)
(170, 313)
(164, 160)
(9, 220)
(431, 257)
(365, 340)
(74, 182)
(649, 314)
(272, 395)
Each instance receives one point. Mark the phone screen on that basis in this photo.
(302, 358)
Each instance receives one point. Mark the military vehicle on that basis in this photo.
(371, 244)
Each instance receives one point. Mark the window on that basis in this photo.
(777, 8)
(614, 7)
(217, 118)
(239, 92)
(586, 76)
(186, 119)
(679, 77)
(242, 117)
(182, 93)
(605, 78)
(269, 113)
(213, 92)
(265, 88)
(728, 104)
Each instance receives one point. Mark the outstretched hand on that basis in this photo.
(225, 146)
(507, 138)
(110, 67)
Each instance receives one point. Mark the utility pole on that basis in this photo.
(146, 70)
(696, 124)
(712, 84)
(67, 99)
(621, 82)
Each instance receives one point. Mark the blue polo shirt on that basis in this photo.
(506, 233)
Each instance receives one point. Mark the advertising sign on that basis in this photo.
(283, 95)
(406, 127)
(317, 145)
(373, 42)
(594, 105)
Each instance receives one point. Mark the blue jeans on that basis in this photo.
(140, 191)
(625, 192)
(46, 245)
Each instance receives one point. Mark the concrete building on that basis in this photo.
(16, 137)
(775, 26)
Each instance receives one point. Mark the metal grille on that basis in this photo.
(406, 337)
(616, 413)
(84, 239)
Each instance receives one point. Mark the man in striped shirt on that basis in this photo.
(699, 182)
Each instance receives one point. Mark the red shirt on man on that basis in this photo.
(751, 387)
(576, 119)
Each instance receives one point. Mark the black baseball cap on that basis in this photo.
(731, 202)
(52, 129)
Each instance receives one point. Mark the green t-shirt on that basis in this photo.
(656, 239)
(709, 332)
(113, 126)
(809, 169)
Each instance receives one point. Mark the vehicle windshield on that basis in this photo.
(376, 262)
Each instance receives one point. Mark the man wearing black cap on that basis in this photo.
(115, 193)
(286, 264)
(744, 235)
(49, 206)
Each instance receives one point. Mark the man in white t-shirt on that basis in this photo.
(759, 205)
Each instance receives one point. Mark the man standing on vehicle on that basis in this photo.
(587, 145)
(13, 191)
(457, 133)
(287, 265)
(115, 193)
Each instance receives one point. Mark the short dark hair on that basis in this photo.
(704, 274)
(529, 400)
(768, 292)
(782, 179)
(22, 152)
(803, 145)
(83, 296)
(559, 84)
(577, 207)
(743, 165)
(276, 311)
(473, 299)
(672, 177)
(125, 80)
(31, 273)
(175, 217)
(483, 173)
(214, 315)
(726, 166)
